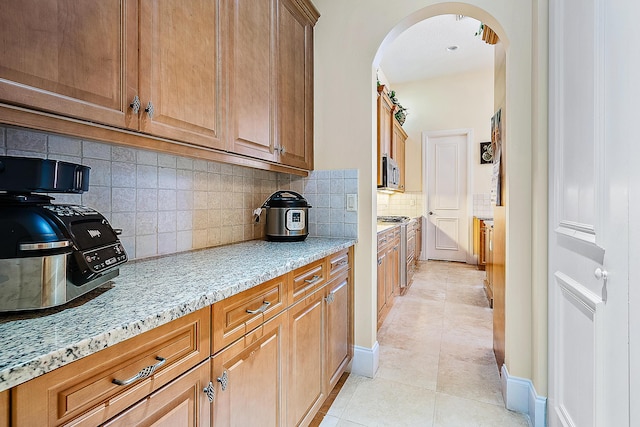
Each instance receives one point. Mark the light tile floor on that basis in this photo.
(437, 366)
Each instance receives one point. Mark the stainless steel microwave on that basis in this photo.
(390, 174)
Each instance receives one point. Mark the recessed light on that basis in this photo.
(452, 48)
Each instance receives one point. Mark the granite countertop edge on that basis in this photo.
(138, 300)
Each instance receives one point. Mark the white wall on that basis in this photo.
(462, 101)
(347, 38)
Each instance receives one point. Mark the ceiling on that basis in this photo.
(420, 52)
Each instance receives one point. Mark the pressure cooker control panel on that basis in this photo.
(295, 219)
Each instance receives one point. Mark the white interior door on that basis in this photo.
(447, 199)
(589, 219)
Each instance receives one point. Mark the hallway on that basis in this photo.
(436, 360)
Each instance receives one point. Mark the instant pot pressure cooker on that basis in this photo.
(287, 217)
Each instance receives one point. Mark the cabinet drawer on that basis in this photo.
(84, 392)
(308, 278)
(338, 263)
(236, 316)
(180, 403)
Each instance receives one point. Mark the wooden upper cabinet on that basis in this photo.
(250, 40)
(398, 142)
(270, 69)
(295, 84)
(180, 71)
(385, 120)
(77, 59)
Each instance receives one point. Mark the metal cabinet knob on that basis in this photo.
(149, 110)
(135, 104)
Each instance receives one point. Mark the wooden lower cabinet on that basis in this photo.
(248, 378)
(306, 383)
(4, 408)
(180, 403)
(338, 328)
(83, 393)
(277, 372)
(388, 282)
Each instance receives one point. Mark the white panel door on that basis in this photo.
(588, 219)
(448, 224)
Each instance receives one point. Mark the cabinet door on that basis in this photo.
(180, 403)
(180, 71)
(306, 391)
(392, 283)
(295, 86)
(382, 277)
(253, 372)
(338, 303)
(385, 120)
(4, 409)
(250, 33)
(76, 59)
(398, 141)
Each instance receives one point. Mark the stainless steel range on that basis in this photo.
(403, 221)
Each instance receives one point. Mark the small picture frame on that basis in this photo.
(486, 153)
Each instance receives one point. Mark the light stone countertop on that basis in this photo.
(385, 226)
(146, 294)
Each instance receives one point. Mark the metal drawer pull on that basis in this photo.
(379, 261)
(210, 391)
(144, 373)
(314, 279)
(342, 262)
(262, 308)
(330, 298)
(223, 380)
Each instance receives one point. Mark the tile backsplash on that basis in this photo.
(482, 207)
(165, 203)
(405, 204)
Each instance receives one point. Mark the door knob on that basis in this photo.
(601, 274)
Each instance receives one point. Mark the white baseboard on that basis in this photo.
(365, 360)
(520, 396)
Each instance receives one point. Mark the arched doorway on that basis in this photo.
(346, 41)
